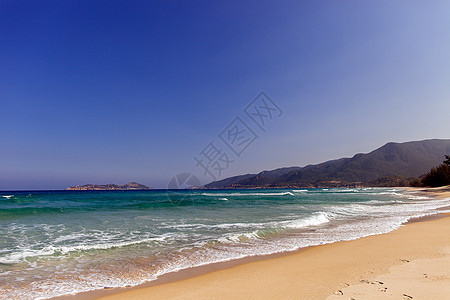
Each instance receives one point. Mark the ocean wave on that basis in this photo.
(403, 195)
(260, 230)
(247, 194)
(221, 226)
(394, 193)
(275, 227)
(315, 220)
(390, 208)
(23, 255)
(344, 190)
(411, 197)
(238, 237)
(8, 196)
(382, 202)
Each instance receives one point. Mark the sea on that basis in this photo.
(64, 242)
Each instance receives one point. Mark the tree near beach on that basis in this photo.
(438, 176)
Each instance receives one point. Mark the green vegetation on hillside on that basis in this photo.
(438, 176)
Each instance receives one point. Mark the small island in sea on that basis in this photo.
(109, 187)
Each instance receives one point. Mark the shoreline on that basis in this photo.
(173, 285)
(185, 274)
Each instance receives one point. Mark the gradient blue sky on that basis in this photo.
(114, 91)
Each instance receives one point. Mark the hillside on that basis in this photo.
(266, 176)
(392, 161)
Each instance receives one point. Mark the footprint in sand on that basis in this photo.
(364, 281)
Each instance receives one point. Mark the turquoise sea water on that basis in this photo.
(56, 243)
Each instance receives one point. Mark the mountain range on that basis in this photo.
(393, 164)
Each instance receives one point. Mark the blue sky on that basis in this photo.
(114, 91)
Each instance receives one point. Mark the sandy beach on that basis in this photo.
(412, 262)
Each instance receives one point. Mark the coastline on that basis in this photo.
(314, 272)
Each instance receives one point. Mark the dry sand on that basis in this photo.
(412, 262)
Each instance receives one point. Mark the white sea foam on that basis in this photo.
(8, 196)
(315, 220)
(238, 237)
(344, 190)
(222, 226)
(22, 255)
(391, 193)
(403, 195)
(212, 194)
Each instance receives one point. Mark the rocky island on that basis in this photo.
(108, 187)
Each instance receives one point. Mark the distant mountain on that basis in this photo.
(265, 175)
(108, 187)
(390, 164)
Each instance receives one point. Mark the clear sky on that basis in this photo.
(115, 91)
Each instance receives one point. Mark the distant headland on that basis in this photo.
(108, 187)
